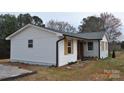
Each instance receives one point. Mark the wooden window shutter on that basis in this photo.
(65, 46)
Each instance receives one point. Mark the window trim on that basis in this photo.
(71, 46)
(30, 43)
(90, 46)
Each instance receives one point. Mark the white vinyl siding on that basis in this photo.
(65, 59)
(91, 53)
(104, 47)
(43, 51)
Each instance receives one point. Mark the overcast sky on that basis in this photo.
(74, 18)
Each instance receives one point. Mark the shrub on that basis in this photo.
(113, 54)
(70, 63)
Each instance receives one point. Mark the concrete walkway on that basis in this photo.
(9, 72)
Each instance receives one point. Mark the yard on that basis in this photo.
(107, 69)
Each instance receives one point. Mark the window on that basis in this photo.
(106, 46)
(102, 45)
(90, 45)
(70, 46)
(30, 43)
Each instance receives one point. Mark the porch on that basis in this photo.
(87, 49)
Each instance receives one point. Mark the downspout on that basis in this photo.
(57, 51)
(99, 48)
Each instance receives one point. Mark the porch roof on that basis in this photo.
(91, 35)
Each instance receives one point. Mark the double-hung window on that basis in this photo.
(30, 43)
(90, 46)
(70, 46)
(102, 45)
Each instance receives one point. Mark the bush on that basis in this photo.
(122, 44)
(4, 49)
(70, 63)
(113, 54)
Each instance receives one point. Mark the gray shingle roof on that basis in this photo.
(83, 35)
(92, 35)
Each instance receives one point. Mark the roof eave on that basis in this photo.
(7, 38)
(80, 37)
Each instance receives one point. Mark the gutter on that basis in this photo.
(57, 51)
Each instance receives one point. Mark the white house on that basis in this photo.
(39, 45)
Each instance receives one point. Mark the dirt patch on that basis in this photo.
(80, 71)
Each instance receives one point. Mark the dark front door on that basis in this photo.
(80, 50)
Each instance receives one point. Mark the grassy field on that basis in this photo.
(107, 69)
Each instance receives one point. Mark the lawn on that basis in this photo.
(107, 69)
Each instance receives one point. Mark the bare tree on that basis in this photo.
(61, 26)
(111, 26)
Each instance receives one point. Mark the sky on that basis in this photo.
(73, 18)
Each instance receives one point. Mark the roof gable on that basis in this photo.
(30, 25)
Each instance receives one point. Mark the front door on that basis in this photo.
(80, 50)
